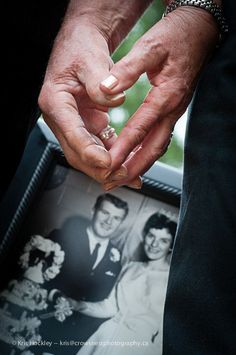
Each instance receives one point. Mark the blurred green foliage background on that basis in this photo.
(136, 94)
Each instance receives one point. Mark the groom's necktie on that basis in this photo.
(94, 254)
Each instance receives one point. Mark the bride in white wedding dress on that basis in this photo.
(135, 305)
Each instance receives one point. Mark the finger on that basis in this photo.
(124, 176)
(97, 122)
(123, 74)
(135, 184)
(61, 114)
(167, 100)
(137, 127)
(146, 55)
(121, 177)
(83, 101)
(97, 173)
(110, 140)
(95, 118)
(103, 133)
(154, 146)
(91, 76)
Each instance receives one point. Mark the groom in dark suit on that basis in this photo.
(91, 262)
(89, 270)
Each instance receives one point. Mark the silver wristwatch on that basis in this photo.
(207, 5)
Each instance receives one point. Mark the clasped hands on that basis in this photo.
(82, 83)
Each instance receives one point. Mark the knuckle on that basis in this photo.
(96, 95)
(45, 97)
(136, 134)
(179, 95)
(152, 50)
(87, 154)
(149, 45)
(93, 91)
(181, 87)
(128, 69)
(175, 96)
(157, 152)
(68, 136)
(126, 64)
(71, 139)
(161, 151)
(92, 155)
(71, 159)
(153, 155)
(42, 99)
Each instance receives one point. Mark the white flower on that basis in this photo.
(114, 255)
(47, 246)
(63, 309)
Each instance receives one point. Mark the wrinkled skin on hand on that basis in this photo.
(172, 54)
(71, 101)
(74, 103)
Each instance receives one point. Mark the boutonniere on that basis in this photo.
(110, 273)
(114, 255)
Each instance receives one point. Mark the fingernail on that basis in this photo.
(107, 174)
(119, 174)
(136, 184)
(116, 97)
(110, 82)
(103, 164)
(117, 177)
(110, 186)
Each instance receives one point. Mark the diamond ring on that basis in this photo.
(107, 133)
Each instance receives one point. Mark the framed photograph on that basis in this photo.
(85, 271)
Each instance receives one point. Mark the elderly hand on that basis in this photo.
(70, 97)
(172, 54)
(71, 101)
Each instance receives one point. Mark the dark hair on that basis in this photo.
(160, 221)
(116, 201)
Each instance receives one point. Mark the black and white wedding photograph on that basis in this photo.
(117, 184)
(89, 261)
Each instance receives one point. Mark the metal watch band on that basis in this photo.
(207, 5)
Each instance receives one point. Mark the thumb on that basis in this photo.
(91, 76)
(124, 73)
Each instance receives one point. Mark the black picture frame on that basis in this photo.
(161, 182)
(21, 209)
